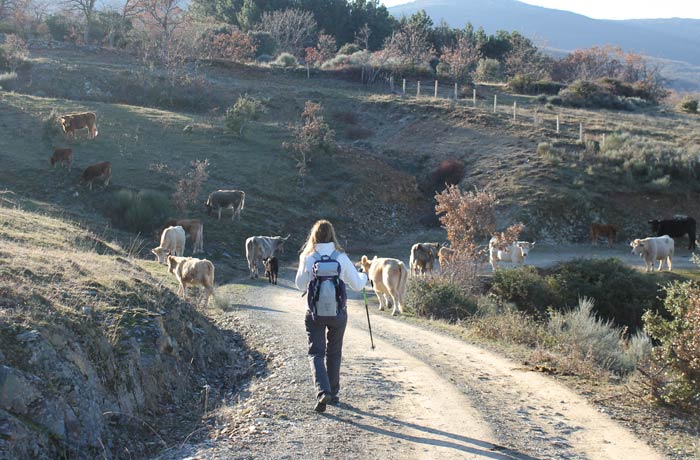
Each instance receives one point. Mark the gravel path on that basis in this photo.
(419, 394)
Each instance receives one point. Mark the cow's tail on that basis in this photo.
(401, 285)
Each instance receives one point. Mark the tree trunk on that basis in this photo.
(86, 35)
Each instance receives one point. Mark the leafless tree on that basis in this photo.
(87, 9)
(119, 13)
(409, 46)
(167, 15)
(292, 29)
(362, 36)
(461, 59)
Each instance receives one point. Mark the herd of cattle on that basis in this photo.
(388, 276)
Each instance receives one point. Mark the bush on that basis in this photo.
(338, 62)
(438, 298)
(8, 81)
(621, 293)
(582, 335)
(264, 43)
(140, 211)
(448, 172)
(489, 70)
(526, 84)
(689, 105)
(349, 48)
(676, 361)
(286, 60)
(51, 127)
(243, 111)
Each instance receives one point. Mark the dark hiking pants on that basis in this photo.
(326, 344)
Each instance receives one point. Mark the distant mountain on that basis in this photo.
(671, 39)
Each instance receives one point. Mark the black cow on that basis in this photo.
(271, 269)
(675, 228)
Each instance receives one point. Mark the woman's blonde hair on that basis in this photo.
(321, 232)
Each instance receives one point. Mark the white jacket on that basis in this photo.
(348, 273)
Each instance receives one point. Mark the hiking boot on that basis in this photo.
(334, 401)
(324, 399)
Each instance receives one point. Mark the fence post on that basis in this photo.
(391, 84)
(515, 109)
(534, 117)
(308, 73)
(603, 144)
(557, 124)
(404, 86)
(418, 89)
(495, 102)
(580, 132)
(455, 91)
(474, 97)
(436, 87)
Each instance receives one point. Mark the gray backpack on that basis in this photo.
(326, 291)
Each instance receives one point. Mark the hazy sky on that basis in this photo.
(616, 9)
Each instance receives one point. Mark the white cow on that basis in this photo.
(515, 252)
(258, 248)
(388, 277)
(653, 249)
(172, 242)
(189, 270)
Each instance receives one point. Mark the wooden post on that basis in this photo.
(391, 84)
(515, 109)
(495, 102)
(436, 86)
(580, 132)
(308, 73)
(474, 97)
(534, 117)
(557, 124)
(418, 90)
(602, 145)
(456, 91)
(404, 86)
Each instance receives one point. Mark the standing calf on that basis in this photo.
(271, 268)
(189, 270)
(64, 156)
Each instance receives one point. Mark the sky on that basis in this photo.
(615, 9)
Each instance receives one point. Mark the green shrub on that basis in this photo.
(689, 105)
(676, 362)
(526, 84)
(140, 211)
(581, 334)
(243, 111)
(489, 70)
(438, 298)
(621, 293)
(264, 42)
(286, 60)
(348, 49)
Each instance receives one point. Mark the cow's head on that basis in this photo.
(65, 124)
(654, 225)
(524, 247)
(280, 244)
(638, 247)
(161, 254)
(171, 262)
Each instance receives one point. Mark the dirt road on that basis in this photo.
(419, 394)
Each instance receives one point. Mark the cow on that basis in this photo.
(172, 242)
(73, 121)
(189, 270)
(193, 229)
(446, 256)
(234, 199)
(653, 249)
(603, 231)
(258, 248)
(389, 278)
(423, 257)
(64, 156)
(99, 170)
(515, 252)
(679, 226)
(271, 269)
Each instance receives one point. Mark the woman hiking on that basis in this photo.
(324, 270)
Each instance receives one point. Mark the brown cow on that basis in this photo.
(194, 230)
(388, 277)
(603, 231)
(423, 257)
(446, 256)
(64, 156)
(73, 121)
(189, 270)
(100, 170)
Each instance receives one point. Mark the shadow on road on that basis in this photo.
(457, 442)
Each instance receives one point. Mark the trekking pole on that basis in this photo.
(364, 294)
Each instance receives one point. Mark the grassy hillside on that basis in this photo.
(95, 346)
